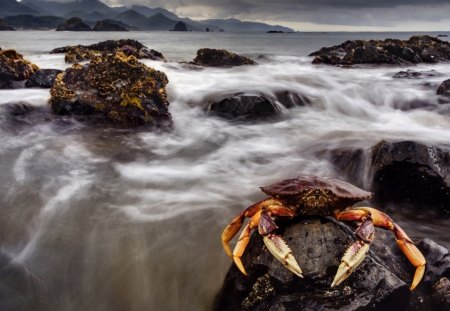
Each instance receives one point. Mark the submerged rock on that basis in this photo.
(73, 24)
(113, 88)
(412, 74)
(14, 69)
(108, 25)
(43, 78)
(220, 58)
(417, 49)
(291, 99)
(243, 106)
(127, 46)
(318, 244)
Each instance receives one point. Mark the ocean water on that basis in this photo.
(104, 219)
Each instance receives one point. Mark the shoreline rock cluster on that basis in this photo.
(417, 49)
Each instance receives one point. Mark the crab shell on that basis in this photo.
(337, 193)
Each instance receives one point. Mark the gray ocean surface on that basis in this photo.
(109, 220)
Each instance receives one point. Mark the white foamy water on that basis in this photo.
(104, 219)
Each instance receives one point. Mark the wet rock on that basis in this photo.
(108, 25)
(73, 24)
(220, 58)
(180, 26)
(42, 78)
(127, 46)
(444, 90)
(417, 49)
(291, 99)
(411, 173)
(14, 69)
(318, 244)
(4, 25)
(115, 89)
(404, 173)
(244, 107)
(412, 74)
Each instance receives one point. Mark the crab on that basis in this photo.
(320, 196)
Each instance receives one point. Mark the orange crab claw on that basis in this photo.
(405, 244)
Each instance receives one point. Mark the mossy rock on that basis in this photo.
(112, 88)
(14, 68)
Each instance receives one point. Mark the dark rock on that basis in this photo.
(180, 26)
(411, 74)
(444, 89)
(318, 244)
(4, 25)
(417, 49)
(290, 99)
(411, 173)
(14, 69)
(127, 46)
(275, 31)
(404, 173)
(108, 25)
(220, 58)
(73, 24)
(43, 78)
(244, 107)
(115, 89)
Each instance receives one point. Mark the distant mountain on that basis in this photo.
(235, 25)
(34, 22)
(94, 16)
(156, 22)
(137, 16)
(145, 10)
(12, 7)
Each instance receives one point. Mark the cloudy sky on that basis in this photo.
(318, 15)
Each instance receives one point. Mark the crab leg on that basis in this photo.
(236, 224)
(356, 252)
(405, 244)
(275, 244)
(242, 243)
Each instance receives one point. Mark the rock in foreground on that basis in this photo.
(418, 49)
(73, 24)
(220, 58)
(14, 69)
(318, 244)
(113, 88)
(76, 53)
(401, 172)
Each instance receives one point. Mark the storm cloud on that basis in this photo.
(316, 14)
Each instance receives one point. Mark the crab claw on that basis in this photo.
(353, 256)
(281, 251)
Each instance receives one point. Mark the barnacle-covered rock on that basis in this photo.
(129, 47)
(220, 58)
(417, 49)
(14, 69)
(113, 88)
